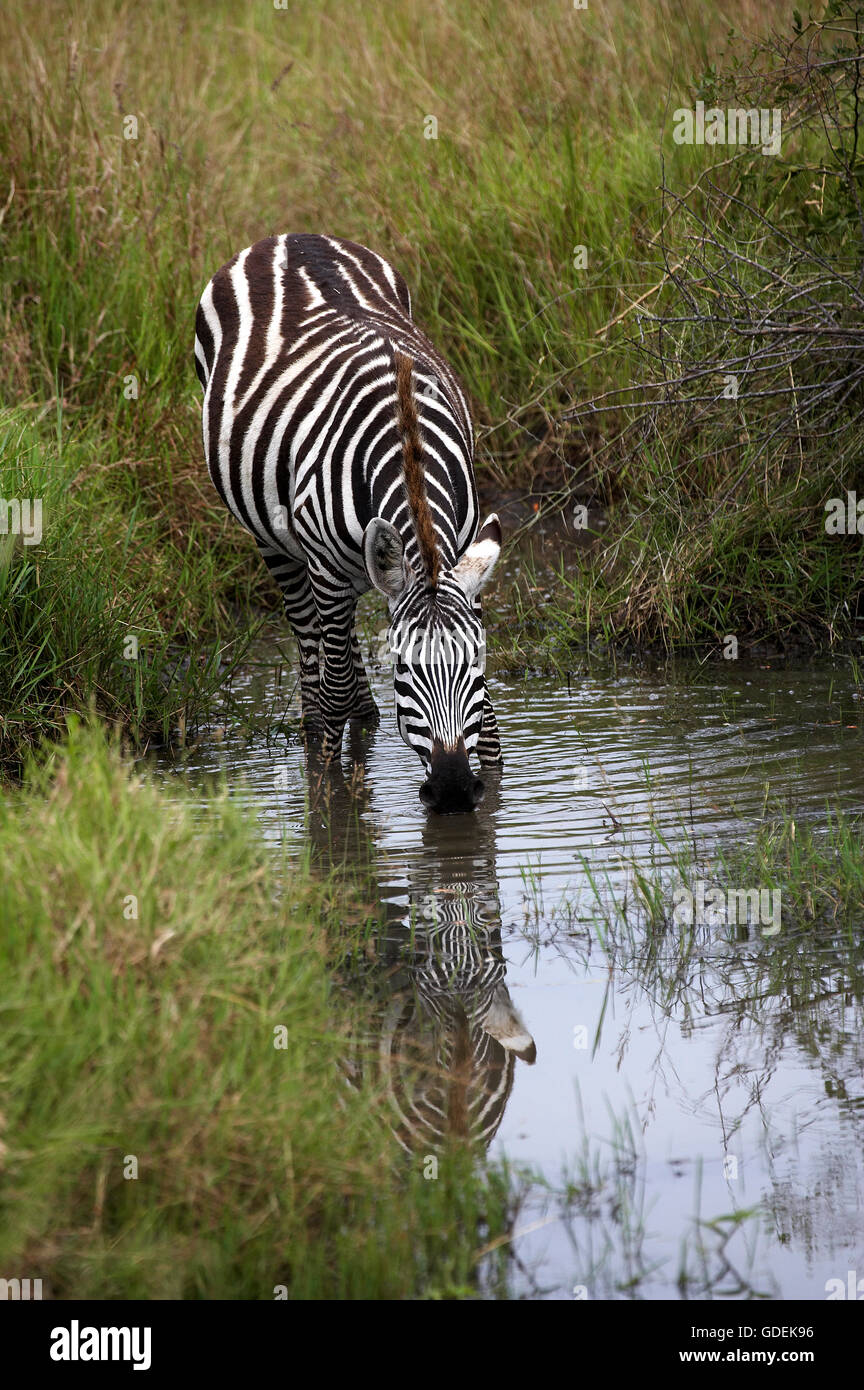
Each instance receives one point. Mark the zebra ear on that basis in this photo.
(478, 562)
(384, 557)
(504, 1022)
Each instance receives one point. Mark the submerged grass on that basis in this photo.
(161, 1136)
(817, 869)
(764, 924)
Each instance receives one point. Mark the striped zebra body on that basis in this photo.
(342, 441)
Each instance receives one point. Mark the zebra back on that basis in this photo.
(298, 340)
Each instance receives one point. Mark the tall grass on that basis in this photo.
(101, 606)
(250, 120)
(143, 145)
(734, 412)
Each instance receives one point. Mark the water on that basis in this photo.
(705, 1112)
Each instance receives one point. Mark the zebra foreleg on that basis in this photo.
(365, 710)
(293, 580)
(341, 694)
(489, 742)
(307, 648)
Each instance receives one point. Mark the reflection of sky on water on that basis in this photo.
(684, 1071)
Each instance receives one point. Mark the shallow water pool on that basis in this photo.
(698, 1112)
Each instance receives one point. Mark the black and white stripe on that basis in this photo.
(448, 1033)
(298, 340)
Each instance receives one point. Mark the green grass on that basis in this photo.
(250, 120)
(109, 609)
(149, 950)
(672, 571)
(548, 137)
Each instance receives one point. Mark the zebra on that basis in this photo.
(340, 438)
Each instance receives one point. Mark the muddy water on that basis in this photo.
(699, 1116)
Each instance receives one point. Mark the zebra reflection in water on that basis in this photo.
(443, 1035)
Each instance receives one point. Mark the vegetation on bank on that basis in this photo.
(480, 147)
(102, 604)
(720, 477)
(156, 1141)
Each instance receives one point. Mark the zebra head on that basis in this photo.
(437, 644)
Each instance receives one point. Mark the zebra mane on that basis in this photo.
(415, 478)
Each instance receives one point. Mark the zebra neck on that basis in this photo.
(445, 524)
(405, 528)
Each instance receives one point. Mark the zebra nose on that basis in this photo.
(448, 799)
(451, 786)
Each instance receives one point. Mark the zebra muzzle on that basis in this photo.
(451, 786)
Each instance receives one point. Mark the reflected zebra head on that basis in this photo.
(438, 1028)
(437, 645)
(450, 1040)
(449, 1034)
